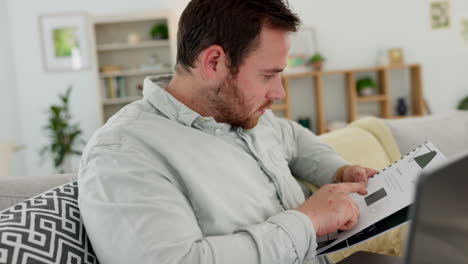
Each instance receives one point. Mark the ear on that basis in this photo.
(213, 63)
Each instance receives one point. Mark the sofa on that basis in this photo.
(47, 227)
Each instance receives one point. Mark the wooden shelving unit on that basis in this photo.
(127, 73)
(117, 101)
(352, 98)
(132, 60)
(140, 45)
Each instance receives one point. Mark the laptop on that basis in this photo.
(439, 227)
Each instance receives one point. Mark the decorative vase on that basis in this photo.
(402, 107)
(304, 121)
(318, 65)
(367, 91)
(133, 38)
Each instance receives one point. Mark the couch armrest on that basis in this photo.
(17, 189)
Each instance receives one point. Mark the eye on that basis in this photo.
(269, 76)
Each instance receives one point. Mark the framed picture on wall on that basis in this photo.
(303, 47)
(440, 14)
(65, 43)
(464, 31)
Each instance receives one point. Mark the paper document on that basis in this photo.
(390, 192)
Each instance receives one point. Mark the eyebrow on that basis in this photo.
(274, 70)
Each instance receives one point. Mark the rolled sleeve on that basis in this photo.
(288, 237)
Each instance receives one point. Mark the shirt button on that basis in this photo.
(218, 131)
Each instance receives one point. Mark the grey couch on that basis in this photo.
(449, 132)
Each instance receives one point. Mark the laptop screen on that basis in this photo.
(439, 229)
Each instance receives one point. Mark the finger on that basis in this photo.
(352, 222)
(360, 175)
(356, 213)
(370, 172)
(352, 187)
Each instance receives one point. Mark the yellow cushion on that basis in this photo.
(358, 146)
(368, 142)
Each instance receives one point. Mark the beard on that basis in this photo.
(231, 107)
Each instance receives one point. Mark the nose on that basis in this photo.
(276, 91)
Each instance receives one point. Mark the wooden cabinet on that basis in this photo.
(383, 97)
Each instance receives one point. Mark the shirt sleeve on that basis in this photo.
(309, 158)
(135, 212)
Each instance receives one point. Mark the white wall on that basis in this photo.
(6, 83)
(38, 89)
(9, 123)
(350, 33)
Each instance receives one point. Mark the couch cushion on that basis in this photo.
(449, 132)
(14, 190)
(358, 146)
(45, 229)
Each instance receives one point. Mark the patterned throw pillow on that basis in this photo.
(45, 229)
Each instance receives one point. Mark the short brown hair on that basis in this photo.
(233, 24)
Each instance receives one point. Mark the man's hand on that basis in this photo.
(354, 173)
(331, 208)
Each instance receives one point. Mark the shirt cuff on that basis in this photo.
(300, 230)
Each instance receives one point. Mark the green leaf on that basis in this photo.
(62, 133)
(463, 105)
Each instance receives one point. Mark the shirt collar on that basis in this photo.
(155, 93)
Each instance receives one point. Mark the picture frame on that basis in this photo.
(65, 41)
(464, 31)
(440, 14)
(304, 45)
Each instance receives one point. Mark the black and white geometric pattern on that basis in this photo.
(45, 229)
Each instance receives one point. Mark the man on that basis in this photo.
(200, 170)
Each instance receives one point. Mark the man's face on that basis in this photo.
(242, 99)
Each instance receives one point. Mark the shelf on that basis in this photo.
(371, 98)
(135, 73)
(276, 107)
(117, 101)
(352, 99)
(345, 71)
(405, 116)
(139, 45)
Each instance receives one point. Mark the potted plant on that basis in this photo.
(159, 31)
(317, 61)
(63, 135)
(463, 104)
(366, 86)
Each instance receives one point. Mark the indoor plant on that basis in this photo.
(317, 61)
(63, 135)
(159, 31)
(366, 86)
(463, 104)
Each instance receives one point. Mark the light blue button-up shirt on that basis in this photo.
(161, 184)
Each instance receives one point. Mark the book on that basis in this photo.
(115, 87)
(390, 195)
(111, 88)
(122, 87)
